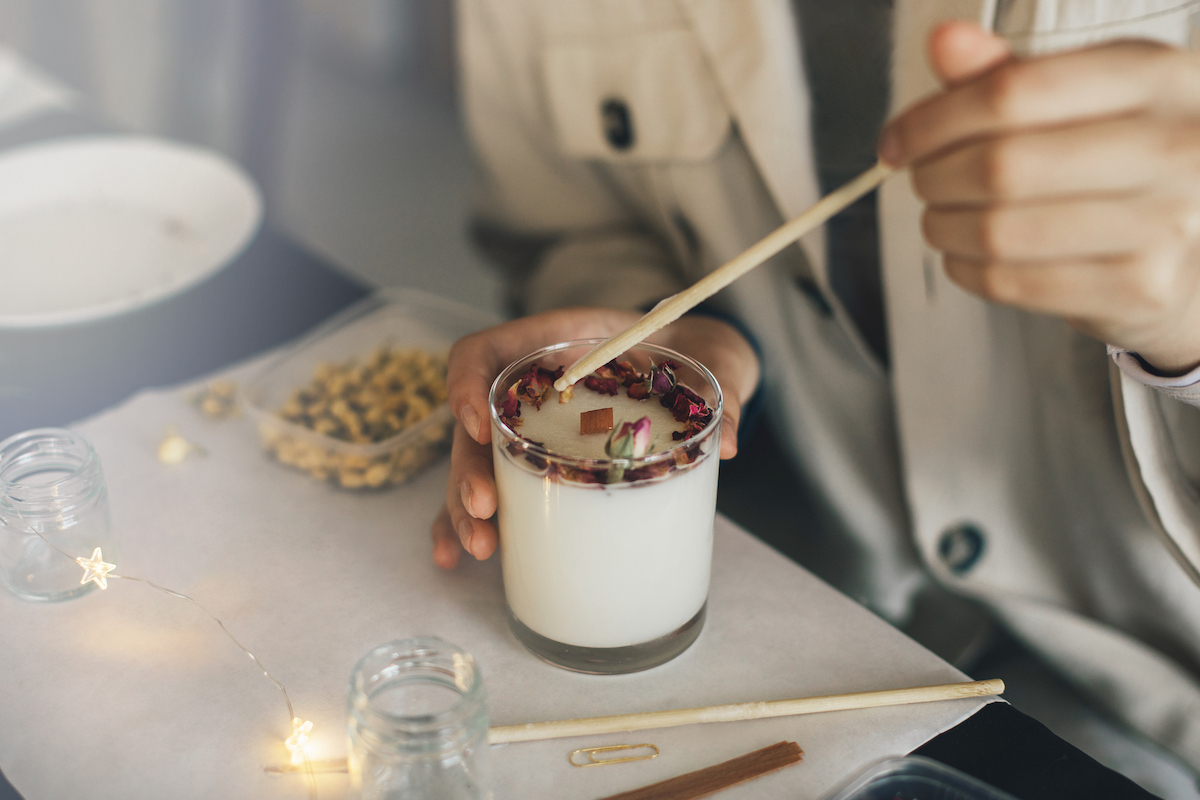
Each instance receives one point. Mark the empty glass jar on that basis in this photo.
(418, 724)
(50, 484)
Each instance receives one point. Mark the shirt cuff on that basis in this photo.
(1184, 387)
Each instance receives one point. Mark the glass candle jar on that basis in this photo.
(606, 560)
(50, 484)
(418, 724)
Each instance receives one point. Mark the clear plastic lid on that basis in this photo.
(913, 778)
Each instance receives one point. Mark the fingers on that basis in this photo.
(730, 420)
(1122, 155)
(471, 496)
(472, 482)
(473, 365)
(446, 548)
(961, 51)
(1119, 295)
(448, 539)
(1104, 227)
(1115, 79)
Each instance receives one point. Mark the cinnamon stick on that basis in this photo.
(704, 782)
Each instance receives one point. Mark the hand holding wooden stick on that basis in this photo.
(679, 304)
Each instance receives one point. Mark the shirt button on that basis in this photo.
(960, 547)
(618, 123)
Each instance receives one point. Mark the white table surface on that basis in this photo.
(129, 693)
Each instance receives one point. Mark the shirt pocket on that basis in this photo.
(645, 97)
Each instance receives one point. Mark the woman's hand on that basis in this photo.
(475, 361)
(1067, 184)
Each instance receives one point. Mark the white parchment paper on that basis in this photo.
(128, 693)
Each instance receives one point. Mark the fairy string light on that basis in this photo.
(96, 570)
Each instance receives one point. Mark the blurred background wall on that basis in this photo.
(344, 111)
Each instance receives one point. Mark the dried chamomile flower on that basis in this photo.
(218, 400)
(173, 449)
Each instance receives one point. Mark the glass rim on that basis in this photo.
(701, 436)
(463, 707)
(74, 439)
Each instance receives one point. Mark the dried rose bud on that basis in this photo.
(662, 377)
(631, 440)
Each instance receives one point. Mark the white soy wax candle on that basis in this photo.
(606, 548)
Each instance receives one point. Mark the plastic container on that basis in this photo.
(914, 778)
(399, 318)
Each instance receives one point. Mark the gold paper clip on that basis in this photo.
(591, 752)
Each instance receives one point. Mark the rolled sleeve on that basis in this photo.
(1185, 388)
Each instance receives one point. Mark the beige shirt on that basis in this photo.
(1031, 475)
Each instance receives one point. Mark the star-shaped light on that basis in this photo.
(95, 569)
(298, 741)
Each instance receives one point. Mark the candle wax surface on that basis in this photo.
(556, 425)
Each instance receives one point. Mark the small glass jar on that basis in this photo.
(50, 484)
(606, 561)
(418, 724)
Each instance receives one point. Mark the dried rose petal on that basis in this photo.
(577, 475)
(536, 383)
(511, 405)
(639, 391)
(647, 472)
(686, 455)
(625, 371)
(607, 386)
(683, 408)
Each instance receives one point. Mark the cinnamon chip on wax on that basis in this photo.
(598, 421)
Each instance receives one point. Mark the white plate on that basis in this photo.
(98, 226)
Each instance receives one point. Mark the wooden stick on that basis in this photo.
(734, 712)
(704, 782)
(679, 304)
